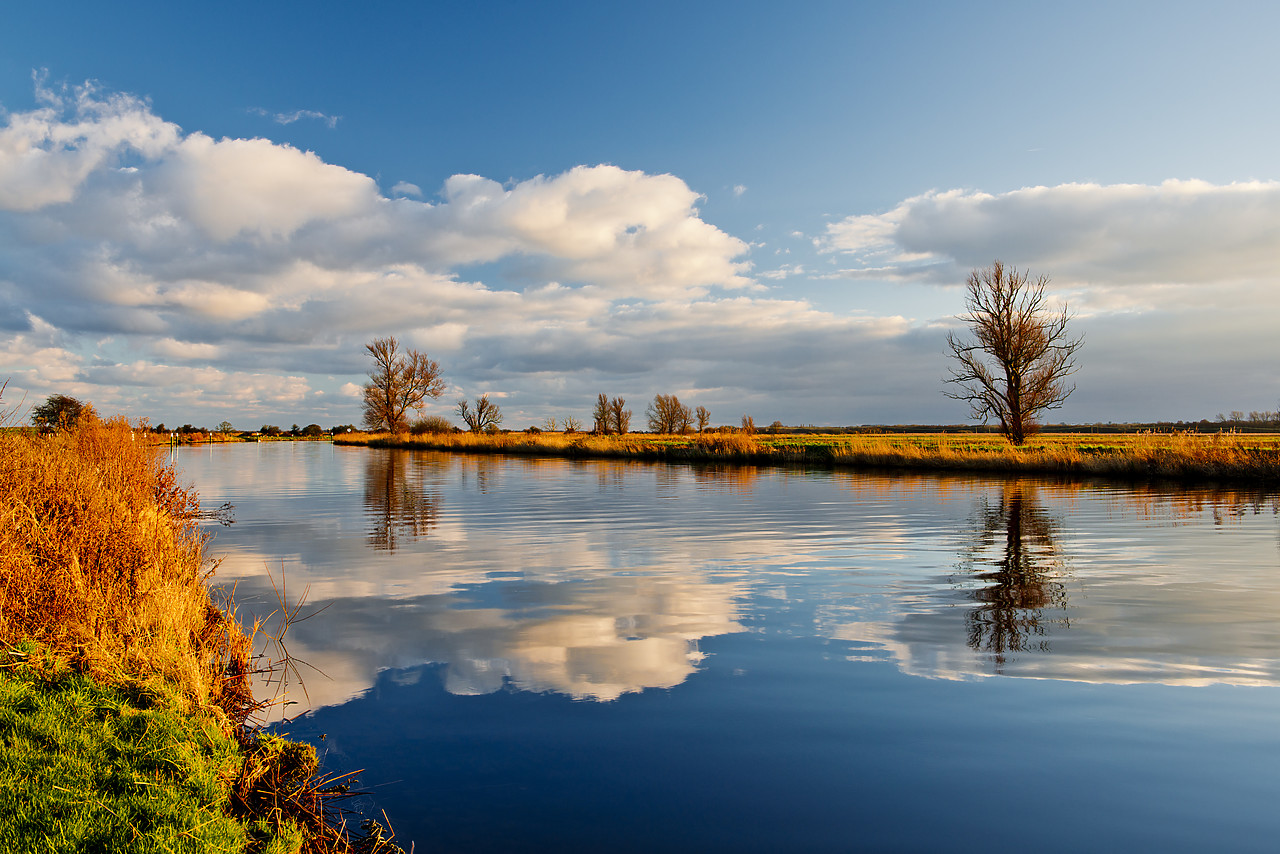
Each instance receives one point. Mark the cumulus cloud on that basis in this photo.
(186, 351)
(46, 154)
(1176, 232)
(256, 188)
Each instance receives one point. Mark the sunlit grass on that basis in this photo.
(89, 767)
(1159, 455)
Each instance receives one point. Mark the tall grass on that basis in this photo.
(102, 561)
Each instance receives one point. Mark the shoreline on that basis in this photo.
(1188, 457)
(125, 700)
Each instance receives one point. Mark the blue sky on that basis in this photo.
(206, 211)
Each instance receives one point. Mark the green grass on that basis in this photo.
(89, 767)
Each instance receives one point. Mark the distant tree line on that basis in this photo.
(1256, 418)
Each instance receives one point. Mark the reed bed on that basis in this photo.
(1180, 456)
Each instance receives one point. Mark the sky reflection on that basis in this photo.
(598, 579)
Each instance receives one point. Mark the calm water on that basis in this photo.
(531, 655)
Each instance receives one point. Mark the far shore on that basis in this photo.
(1176, 456)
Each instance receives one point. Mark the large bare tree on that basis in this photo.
(398, 383)
(1019, 363)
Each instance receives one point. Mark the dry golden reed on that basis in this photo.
(102, 560)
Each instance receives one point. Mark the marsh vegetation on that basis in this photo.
(1180, 455)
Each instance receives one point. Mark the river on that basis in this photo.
(545, 654)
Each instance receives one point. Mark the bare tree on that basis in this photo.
(397, 384)
(571, 424)
(487, 415)
(704, 418)
(1018, 366)
(601, 414)
(619, 416)
(667, 414)
(748, 425)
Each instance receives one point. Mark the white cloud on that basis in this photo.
(739, 189)
(404, 188)
(1176, 232)
(258, 188)
(631, 233)
(783, 272)
(289, 118)
(46, 154)
(186, 351)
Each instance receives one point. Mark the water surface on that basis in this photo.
(531, 654)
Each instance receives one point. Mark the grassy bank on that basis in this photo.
(1181, 456)
(124, 698)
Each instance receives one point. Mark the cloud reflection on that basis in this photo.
(593, 639)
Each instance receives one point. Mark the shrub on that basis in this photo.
(433, 424)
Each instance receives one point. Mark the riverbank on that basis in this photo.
(1175, 456)
(125, 707)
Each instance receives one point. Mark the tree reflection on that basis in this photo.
(398, 509)
(1016, 556)
(727, 478)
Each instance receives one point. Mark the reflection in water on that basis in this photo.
(399, 509)
(596, 639)
(599, 578)
(1022, 595)
(728, 478)
(817, 599)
